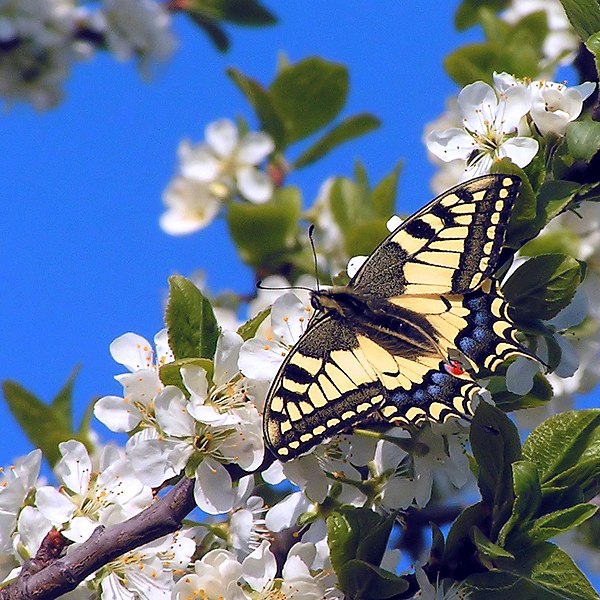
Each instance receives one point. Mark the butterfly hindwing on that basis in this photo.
(404, 339)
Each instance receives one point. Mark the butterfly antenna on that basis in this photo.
(311, 231)
(260, 286)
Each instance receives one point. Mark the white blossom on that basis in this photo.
(140, 386)
(490, 120)
(88, 498)
(226, 161)
(554, 105)
(561, 42)
(138, 28)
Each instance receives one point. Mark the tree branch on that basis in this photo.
(105, 544)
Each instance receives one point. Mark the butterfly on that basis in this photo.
(406, 338)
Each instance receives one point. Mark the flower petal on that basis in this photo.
(254, 185)
(222, 137)
(520, 150)
(132, 351)
(254, 148)
(213, 491)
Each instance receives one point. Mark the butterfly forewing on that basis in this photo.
(384, 348)
(451, 245)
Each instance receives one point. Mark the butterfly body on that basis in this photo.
(404, 340)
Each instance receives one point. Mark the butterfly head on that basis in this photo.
(337, 299)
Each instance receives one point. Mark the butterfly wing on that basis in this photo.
(335, 378)
(450, 246)
(428, 296)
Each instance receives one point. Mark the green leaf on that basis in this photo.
(544, 572)
(246, 12)
(468, 15)
(44, 425)
(544, 285)
(562, 441)
(360, 580)
(538, 395)
(348, 129)
(458, 542)
(584, 15)
(528, 498)
(249, 328)
(495, 453)
(357, 533)
(260, 99)
(191, 323)
(63, 401)
(583, 139)
(487, 548)
(561, 521)
(383, 195)
(559, 241)
(555, 196)
(472, 62)
(213, 30)
(348, 202)
(593, 45)
(264, 233)
(584, 476)
(558, 498)
(309, 95)
(170, 373)
(363, 238)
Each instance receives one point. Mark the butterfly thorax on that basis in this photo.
(398, 329)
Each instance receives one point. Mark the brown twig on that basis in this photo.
(106, 543)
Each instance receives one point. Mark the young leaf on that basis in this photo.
(191, 323)
(309, 95)
(249, 12)
(468, 15)
(170, 373)
(213, 30)
(583, 139)
(249, 328)
(383, 195)
(528, 498)
(538, 395)
(348, 129)
(555, 196)
(544, 572)
(561, 521)
(543, 286)
(360, 580)
(487, 548)
(45, 425)
(584, 16)
(259, 98)
(561, 441)
(495, 453)
(357, 533)
(264, 232)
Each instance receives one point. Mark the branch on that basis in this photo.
(105, 544)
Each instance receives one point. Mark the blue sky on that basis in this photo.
(83, 257)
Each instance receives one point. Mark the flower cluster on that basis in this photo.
(503, 121)
(41, 39)
(214, 172)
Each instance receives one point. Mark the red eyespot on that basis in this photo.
(453, 367)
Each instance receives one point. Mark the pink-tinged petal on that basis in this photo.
(254, 148)
(254, 185)
(117, 414)
(75, 466)
(451, 144)
(520, 150)
(477, 103)
(132, 351)
(213, 491)
(222, 137)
